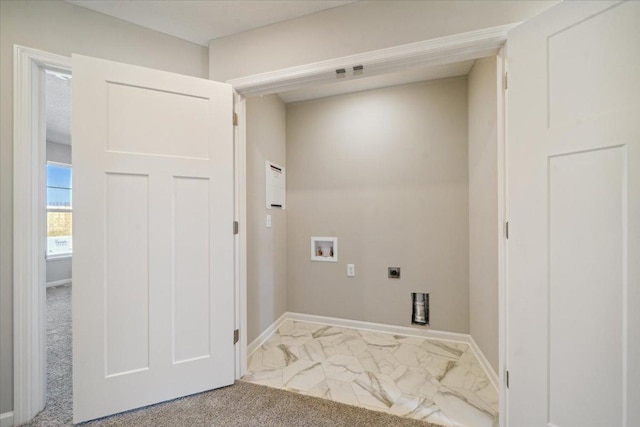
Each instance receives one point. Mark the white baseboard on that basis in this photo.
(260, 339)
(484, 363)
(6, 419)
(382, 328)
(59, 283)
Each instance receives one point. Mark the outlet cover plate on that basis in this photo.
(394, 272)
(351, 270)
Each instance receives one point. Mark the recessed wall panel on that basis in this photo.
(586, 288)
(593, 51)
(127, 273)
(148, 121)
(192, 281)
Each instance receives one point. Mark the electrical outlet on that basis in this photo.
(351, 270)
(394, 272)
(268, 221)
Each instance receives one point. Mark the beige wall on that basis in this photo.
(266, 247)
(355, 28)
(58, 269)
(385, 171)
(62, 28)
(483, 207)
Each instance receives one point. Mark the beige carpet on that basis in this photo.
(241, 404)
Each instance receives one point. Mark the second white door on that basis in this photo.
(574, 217)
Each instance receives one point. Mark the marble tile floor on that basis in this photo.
(437, 381)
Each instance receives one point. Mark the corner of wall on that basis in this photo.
(266, 246)
(483, 208)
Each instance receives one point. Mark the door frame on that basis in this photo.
(503, 219)
(445, 50)
(29, 232)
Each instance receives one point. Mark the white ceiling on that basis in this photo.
(200, 21)
(360, 83)
(58, 107)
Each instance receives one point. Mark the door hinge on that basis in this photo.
(506, 80)
(235, 119)
(506, 230)
(506, 378)
(236, 336)
(235, 227)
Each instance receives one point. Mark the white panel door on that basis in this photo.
(574, 216)
(153, 278)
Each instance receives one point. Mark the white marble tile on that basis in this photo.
(409, 340)
(376, 390)
(295, 337)
(460, 412)
(273, 341)
(378, 360)
(350, 344)
(414, 382)
(328, 333)
(440, 418)
(405, 405)
(438, 367)
(373, 407)
(319, 390)
(379, 340)
(286, 326)
(294, 351)
(342, 367)
(420, 409)
(255, 360)
(445, 349)
(432, 380)
(278, 357)
(317, 350)
(469, 361)
(459, 377)
(342, 392)
(412, 355)
(302, 375)
(265, 376)
(308, 326)
(487, 392)
(474, 400)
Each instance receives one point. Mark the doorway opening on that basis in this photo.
(403, 168)
(59, 244)
(42, 244)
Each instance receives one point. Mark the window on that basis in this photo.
(59, 214)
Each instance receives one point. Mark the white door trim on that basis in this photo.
(442, 50)
(240, 194)
(29, 153)
(502, 237)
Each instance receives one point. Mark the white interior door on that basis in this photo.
(153, 278)
(574, 215)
